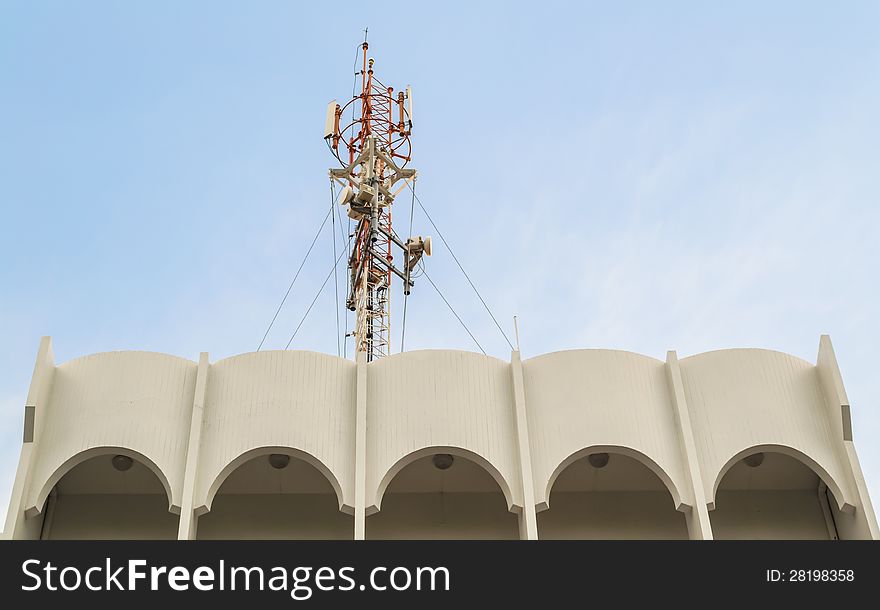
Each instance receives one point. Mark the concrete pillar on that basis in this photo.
(49, 516)
(699, 525)
(360, 450)
(864, 516)
(17, 525)
(15, 516)
(188, 520)
(528, 519)
(863, 521)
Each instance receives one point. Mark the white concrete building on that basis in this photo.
(741, 443)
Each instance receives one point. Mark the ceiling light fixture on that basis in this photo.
(754, 460)
(598, 460)
(122, 462)
(442, 461)
(278, 460)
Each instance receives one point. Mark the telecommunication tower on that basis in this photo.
(374, 149)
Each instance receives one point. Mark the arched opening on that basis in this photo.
(275, 496)
(768, 495)
(112, 496)
(443, 496)
(602, 494)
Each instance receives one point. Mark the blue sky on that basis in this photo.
(648, 176)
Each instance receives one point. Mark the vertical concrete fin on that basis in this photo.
(360, 450)
(44, 370)
(699, 525)
(835, 396)
(188, 520)
(832, 387)
(528, 517)
(36, 405)
(865, 511)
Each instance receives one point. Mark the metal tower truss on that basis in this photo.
(378, 148)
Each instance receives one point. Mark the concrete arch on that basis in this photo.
(410, 354)
(294, 452)
(303, 402)
(75, 460)
(268, 353)
(580, 399)
(133, 353)
(581, 350)
(746, 350)
(619, 450)
(843, 502)
(452, 450)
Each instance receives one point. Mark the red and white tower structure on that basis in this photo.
(370, 137)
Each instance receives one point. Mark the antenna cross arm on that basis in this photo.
(392, 237)
(379, 257)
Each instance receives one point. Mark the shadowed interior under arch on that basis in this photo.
(772, 496)
(610, 496)
(97, 501)
(260, 501)
(424, 502)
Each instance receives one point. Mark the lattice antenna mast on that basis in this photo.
(374, 148)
